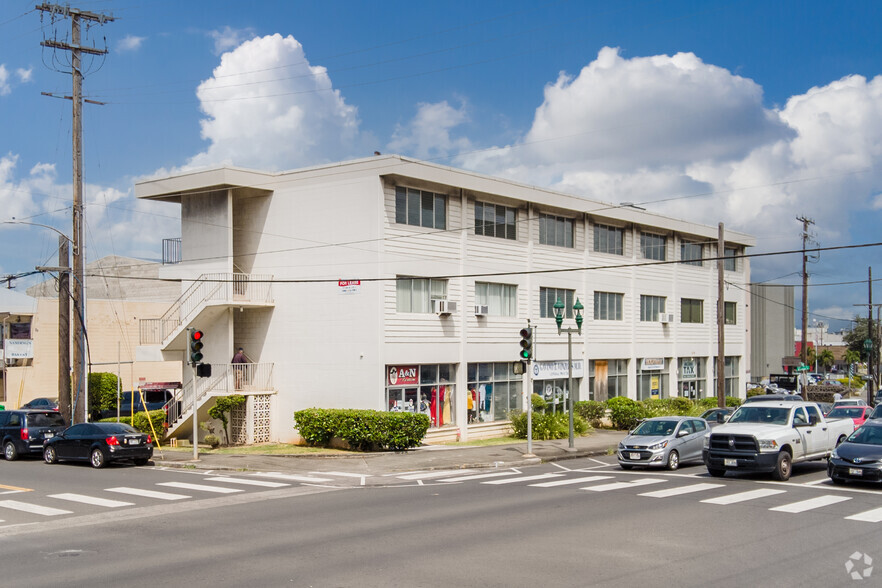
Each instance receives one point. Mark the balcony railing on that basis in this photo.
(226, 379)
(171, 251)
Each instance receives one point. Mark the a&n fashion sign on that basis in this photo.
(556, 370)
(404, 375)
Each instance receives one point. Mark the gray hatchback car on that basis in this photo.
(663, 442)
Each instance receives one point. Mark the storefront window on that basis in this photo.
(607, 378)
(494, 391)
(692, 377)
(730, 374)
(426, 389)
(555, 392)
(652, 378)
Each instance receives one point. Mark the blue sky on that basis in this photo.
(747, 112)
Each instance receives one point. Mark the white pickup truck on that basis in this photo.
(771, 436)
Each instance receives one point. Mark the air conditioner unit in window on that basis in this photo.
(666, 317)
(481, 309)
(441, 307)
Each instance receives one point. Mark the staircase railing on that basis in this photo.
(225, 379)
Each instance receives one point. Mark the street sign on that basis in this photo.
(803, 368)
(791, 361)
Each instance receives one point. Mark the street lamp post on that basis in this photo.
(558, 318)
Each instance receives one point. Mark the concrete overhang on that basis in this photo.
(171, 188)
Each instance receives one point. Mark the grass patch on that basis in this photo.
(484, 442)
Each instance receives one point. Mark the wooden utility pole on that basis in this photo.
(872, 351)
(78, 380)
(803, 350)
(64, 329)
(721, 320)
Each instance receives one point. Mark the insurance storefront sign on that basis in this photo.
(556, 370)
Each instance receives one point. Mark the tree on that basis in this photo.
(222, 406)
(826, 359)
(102, 392)
(810, 355)
(851, 358)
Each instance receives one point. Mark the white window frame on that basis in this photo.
(500, 299)
(608, 306)
(409, 300)
(651, 307)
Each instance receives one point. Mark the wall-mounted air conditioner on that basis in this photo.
(666, 317)
(481, 309)
(441, 307)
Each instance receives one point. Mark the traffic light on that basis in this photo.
(203, 370)
(196, 346)
(526, 344)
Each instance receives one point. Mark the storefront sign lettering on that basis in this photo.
(348, 286)
(652, 363)
(555, 370)
(687, 371)
(19, 348)
(404, 375)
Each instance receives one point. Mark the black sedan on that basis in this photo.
(99, 443)
(859, 457)
(42, 403)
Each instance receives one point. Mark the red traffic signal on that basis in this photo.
(197, 335)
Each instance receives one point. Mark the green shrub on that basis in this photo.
(733, 402)
(102, 392)
(365, 430)
(676, 406)
(141, 422)
(547, 425)
(755, 392)
(212, 440)
(590, 410)
(625, 413)
(539, 403)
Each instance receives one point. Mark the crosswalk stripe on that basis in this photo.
(46, 511)
(147, 493)
(744, 496)
(681, 490)
(248, 482)
(94, 500)
(343, 474)
(570, 481)
(870, 516)
(292, 477)
(621, 485)
(431, 474)
(200, 487)
(812, 503)
(524, 479)
(477, 477)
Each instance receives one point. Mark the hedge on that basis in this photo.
(547, 425)
(625, 413)
(142, 423)
(365, 430)
(590, 410)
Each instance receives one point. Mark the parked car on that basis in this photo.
(877, 412)
(717, 416)
(777, 397)
(858, 414)
(663, 442)
(825, 407)
(42, 403)
(859, 457)
(850, 402)
(99, 444)
(22, 432)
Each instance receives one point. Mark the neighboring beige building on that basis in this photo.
(119, 292)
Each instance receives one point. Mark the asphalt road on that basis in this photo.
(575, 523)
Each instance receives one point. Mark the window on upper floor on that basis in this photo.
(608, 306)
(416, 294)
(609, 239)
(651, 307)
(501, 299)
(652, 246)
(547, 298)
(729, 260)
(495, 220)
(691, 310)
(420, 208)
(691, 253)
(555, 230)
(730, 316)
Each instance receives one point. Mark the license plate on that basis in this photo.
(730, 462)
(633, 456)
(48, 435)
(134, 441)
(855, 472)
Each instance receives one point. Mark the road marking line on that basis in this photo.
(147, 493)
(821, 481)
(524, 479)
(91, 500)
(598, 461)
(200, 487)
(432, 474)
(293, 477)
(570, 481)
(557, 465)
(744, 496)
(15, 489)
(261, 483)
(812, 503)
(478, 476)
(681, 490)
(344, 474)
(620, 485)
(46, 511)
(870, 516)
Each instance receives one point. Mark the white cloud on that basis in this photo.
(268, 108)
(5, 88)
(130, 43)
(229, 38)
(427, 135)
(24, 75)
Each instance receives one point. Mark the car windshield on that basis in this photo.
(655, 428)
(761, 414)
(867, 435)
(117, 428)
(49, 419)
(843, 412)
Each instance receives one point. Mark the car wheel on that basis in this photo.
(673, 460)
(840, 440)
(837, 481)
(98, 459)
(716, 472)
(783, 467)
(10, 452)
(626, 466)
(49, 455)
(141, 461)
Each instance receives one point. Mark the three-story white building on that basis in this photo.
(394, 284)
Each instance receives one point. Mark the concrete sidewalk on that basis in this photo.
(430, 457)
